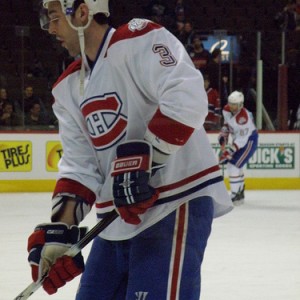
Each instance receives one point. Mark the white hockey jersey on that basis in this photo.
(140, 68)
(241, 125)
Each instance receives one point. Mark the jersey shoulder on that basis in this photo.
(134, 28)
(72, 68)
(242, 117)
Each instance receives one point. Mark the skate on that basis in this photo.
(238, 198)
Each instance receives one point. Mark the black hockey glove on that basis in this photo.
(131, 172)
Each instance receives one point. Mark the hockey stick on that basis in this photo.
(221, 165)
(73, 251)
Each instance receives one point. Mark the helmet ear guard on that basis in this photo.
(98, 6)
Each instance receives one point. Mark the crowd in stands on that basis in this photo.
(33, 110)
(289, 18)
(29, 112)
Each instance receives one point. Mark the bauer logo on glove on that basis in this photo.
(129, 164)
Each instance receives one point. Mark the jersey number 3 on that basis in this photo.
(167, 58)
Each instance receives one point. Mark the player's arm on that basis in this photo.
(166, 136)
(67, 214)
(168, 78)
(72, 200)
(137, 161)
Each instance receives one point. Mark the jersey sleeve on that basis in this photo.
(165, 73)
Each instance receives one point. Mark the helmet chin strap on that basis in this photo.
(82, 70)
(80, 31)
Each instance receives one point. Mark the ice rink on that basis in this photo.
(253, 252)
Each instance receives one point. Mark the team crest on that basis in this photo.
(242, 120)
(137, 24)
(106, 125)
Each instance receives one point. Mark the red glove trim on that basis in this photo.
(129, 213)
(35, 239)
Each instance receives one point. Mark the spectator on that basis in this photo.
(213, 69)
(297, 122)
(179, 31)
(293, 63)
(188, 35)
(224, 89)
(8, 117)
(286, 19)
(34, 116)
(24, 106)
(297, 15)
(37, 68)
(180, 11)
(3, 80)
(199, 55)
(3, 98)
(157, 11)
(213, 119)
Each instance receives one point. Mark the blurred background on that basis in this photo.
(248, 45)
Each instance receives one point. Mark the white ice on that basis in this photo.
(253, 252)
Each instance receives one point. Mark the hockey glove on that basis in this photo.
(227, 154)
(223, 136)
(46, 246)
(131, 172)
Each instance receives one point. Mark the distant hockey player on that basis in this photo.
(239, 123)
(131, 116)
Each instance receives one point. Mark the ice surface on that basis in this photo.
(253, 252)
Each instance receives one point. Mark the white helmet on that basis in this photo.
(95, 6)
(236, 97)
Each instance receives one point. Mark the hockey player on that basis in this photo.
(239, 123)
(131, 116)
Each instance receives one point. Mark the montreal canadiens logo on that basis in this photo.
(106, 125)
(137, 24)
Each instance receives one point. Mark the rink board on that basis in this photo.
(28, 161)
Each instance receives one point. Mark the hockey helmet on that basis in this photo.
(236, 98)
(95, 6)
(68, 8)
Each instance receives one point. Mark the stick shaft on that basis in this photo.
(73, 251)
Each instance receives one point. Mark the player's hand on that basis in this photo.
(131, 172)
(223, 136)
(226, 155)
(46, 246)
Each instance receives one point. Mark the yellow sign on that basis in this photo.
(15, 156)
(54, 153)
